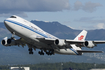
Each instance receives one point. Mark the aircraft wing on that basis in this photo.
(51, 41)
(81, 42)
(78, 43)
(89, 44)
(74, 42)
(99, 42)
(86, 51)
(20, 42)
(46, 40)
(13, 41)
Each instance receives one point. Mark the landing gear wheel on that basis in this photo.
(41, 52)
(50, 52)
(30, 51)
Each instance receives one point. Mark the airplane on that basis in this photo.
(36, 38)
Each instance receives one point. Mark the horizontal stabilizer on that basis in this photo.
(85, 51)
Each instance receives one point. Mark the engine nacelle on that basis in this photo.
(4, 41)
(7, 42)
(59, 42)
(89, 44)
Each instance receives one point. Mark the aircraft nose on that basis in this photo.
(6, 21)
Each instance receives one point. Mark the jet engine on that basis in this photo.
(8, 42)
(89, 44)
(59, 42)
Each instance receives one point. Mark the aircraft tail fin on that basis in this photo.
(81, 36)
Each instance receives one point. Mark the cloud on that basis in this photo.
(88, 6)
(20, 6)
(92, 27)
(93, 22)
(77, 5)
(3, 30)
(86, 20)
(22, 14)
(90, 20)
(100, 26)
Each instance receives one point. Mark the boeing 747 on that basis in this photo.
(36, 38)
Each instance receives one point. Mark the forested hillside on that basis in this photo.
(58, 66)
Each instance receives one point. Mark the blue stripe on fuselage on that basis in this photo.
(74, 51)
(29, 28)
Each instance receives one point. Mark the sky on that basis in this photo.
(77, 14)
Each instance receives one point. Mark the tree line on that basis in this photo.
(57, 66)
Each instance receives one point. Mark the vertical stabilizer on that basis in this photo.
(81, 36)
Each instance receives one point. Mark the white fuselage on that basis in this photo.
(30, 32)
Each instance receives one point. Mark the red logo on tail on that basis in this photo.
(81, 37)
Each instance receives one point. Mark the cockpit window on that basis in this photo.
(12, 17)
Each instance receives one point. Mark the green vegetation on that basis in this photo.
(58, 66)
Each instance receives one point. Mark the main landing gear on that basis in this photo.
(41, 52)
(48, 52)
(30, 51)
